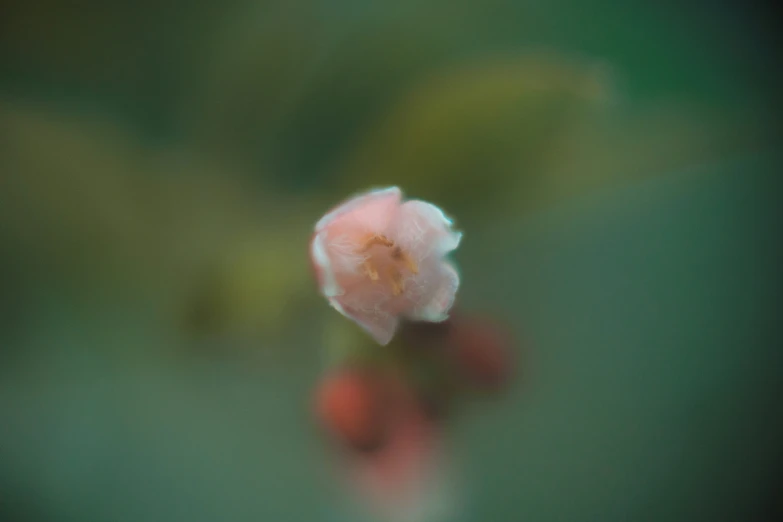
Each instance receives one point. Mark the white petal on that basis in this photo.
(423, 230)
(437, 309)
(368, 200)
(380, 326)
(329, 286)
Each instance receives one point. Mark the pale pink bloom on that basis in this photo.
(410, 478)
(407, 480)
(378, 259)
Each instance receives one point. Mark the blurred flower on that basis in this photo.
(378, 259)
(481, 351)
(350, 403)
(395, 463)
(406, 480)
(465, 354)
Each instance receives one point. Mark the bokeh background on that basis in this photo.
(615, 168)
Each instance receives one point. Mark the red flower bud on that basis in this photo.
(351, 405)
(482, 351)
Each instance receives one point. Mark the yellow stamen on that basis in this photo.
(397, 254)
(370, 270)
(410, 264)
(398, 284)
(377, 240)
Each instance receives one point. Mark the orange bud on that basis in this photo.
(482, 351)
(350, 404)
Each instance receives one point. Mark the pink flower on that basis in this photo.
(378, 260)
(408, 479)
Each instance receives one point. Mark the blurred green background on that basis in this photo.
(614, 166)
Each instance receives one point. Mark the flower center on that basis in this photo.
(384, 262)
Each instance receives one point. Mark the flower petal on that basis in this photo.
(436, 309)
(324, 269)
(423, 229)
(373, 210)
(381, 326)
